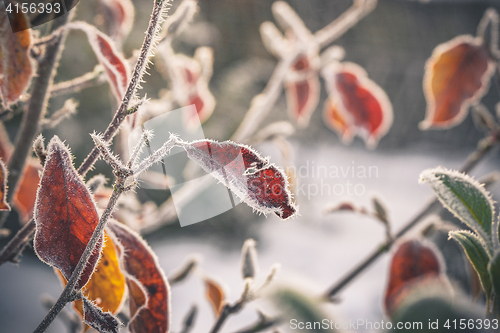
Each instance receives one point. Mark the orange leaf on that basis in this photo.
(412, 262)
(16, 67)
(6, 146)
(148, 289)
(334, 119)
(361, 107)
(456, 76)
(215, 295)
(106, 286)
(302, 90)
(115, 66)
(25, 196)
(3, 190)
(65, 215)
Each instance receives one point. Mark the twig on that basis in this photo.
(39, 98)
(263, 324)
(229, 309)
(263, 103)
(344, 22)
(484, 146)
(67, 110)
(87, 80)
(15, 246)
(226, 311)
(70, 319)
(121, 113)
(190, 319)
(69, 291)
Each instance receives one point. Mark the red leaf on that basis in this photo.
(360, 106)
(115, 66)
(95, 318)
(3, 188)
(456, 76)
(190, 86)
(411, 263)
(302, 90)
(65, 215)
(25, 196)
(16, 67)
(262, 185)
(148, 289)
(120, 17)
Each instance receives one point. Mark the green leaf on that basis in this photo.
(494, 272)
(297, 307)
(477, 253)
(464, 197)
(380, 210)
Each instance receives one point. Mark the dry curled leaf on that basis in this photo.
(65, 215)
(119, 17)
(190, 78)
(25, 196)
(413, 262)
(260, 184)
(16, 67)
(115, 66)
(456, 76)
(302, 89)
(215, 295)
(148, 289)
(3, 187)
(357, 105)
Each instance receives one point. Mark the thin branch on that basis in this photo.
(15, 246)
(344, 22)
(227, 310)
(156, 156)
(484, 146)
(38, 103)
(263, 103)
(263, 324)
(69, 291)
(94, 78)
(190, 319)
(68, 109)
(146, 137)
(121, 113)
(230, 309)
